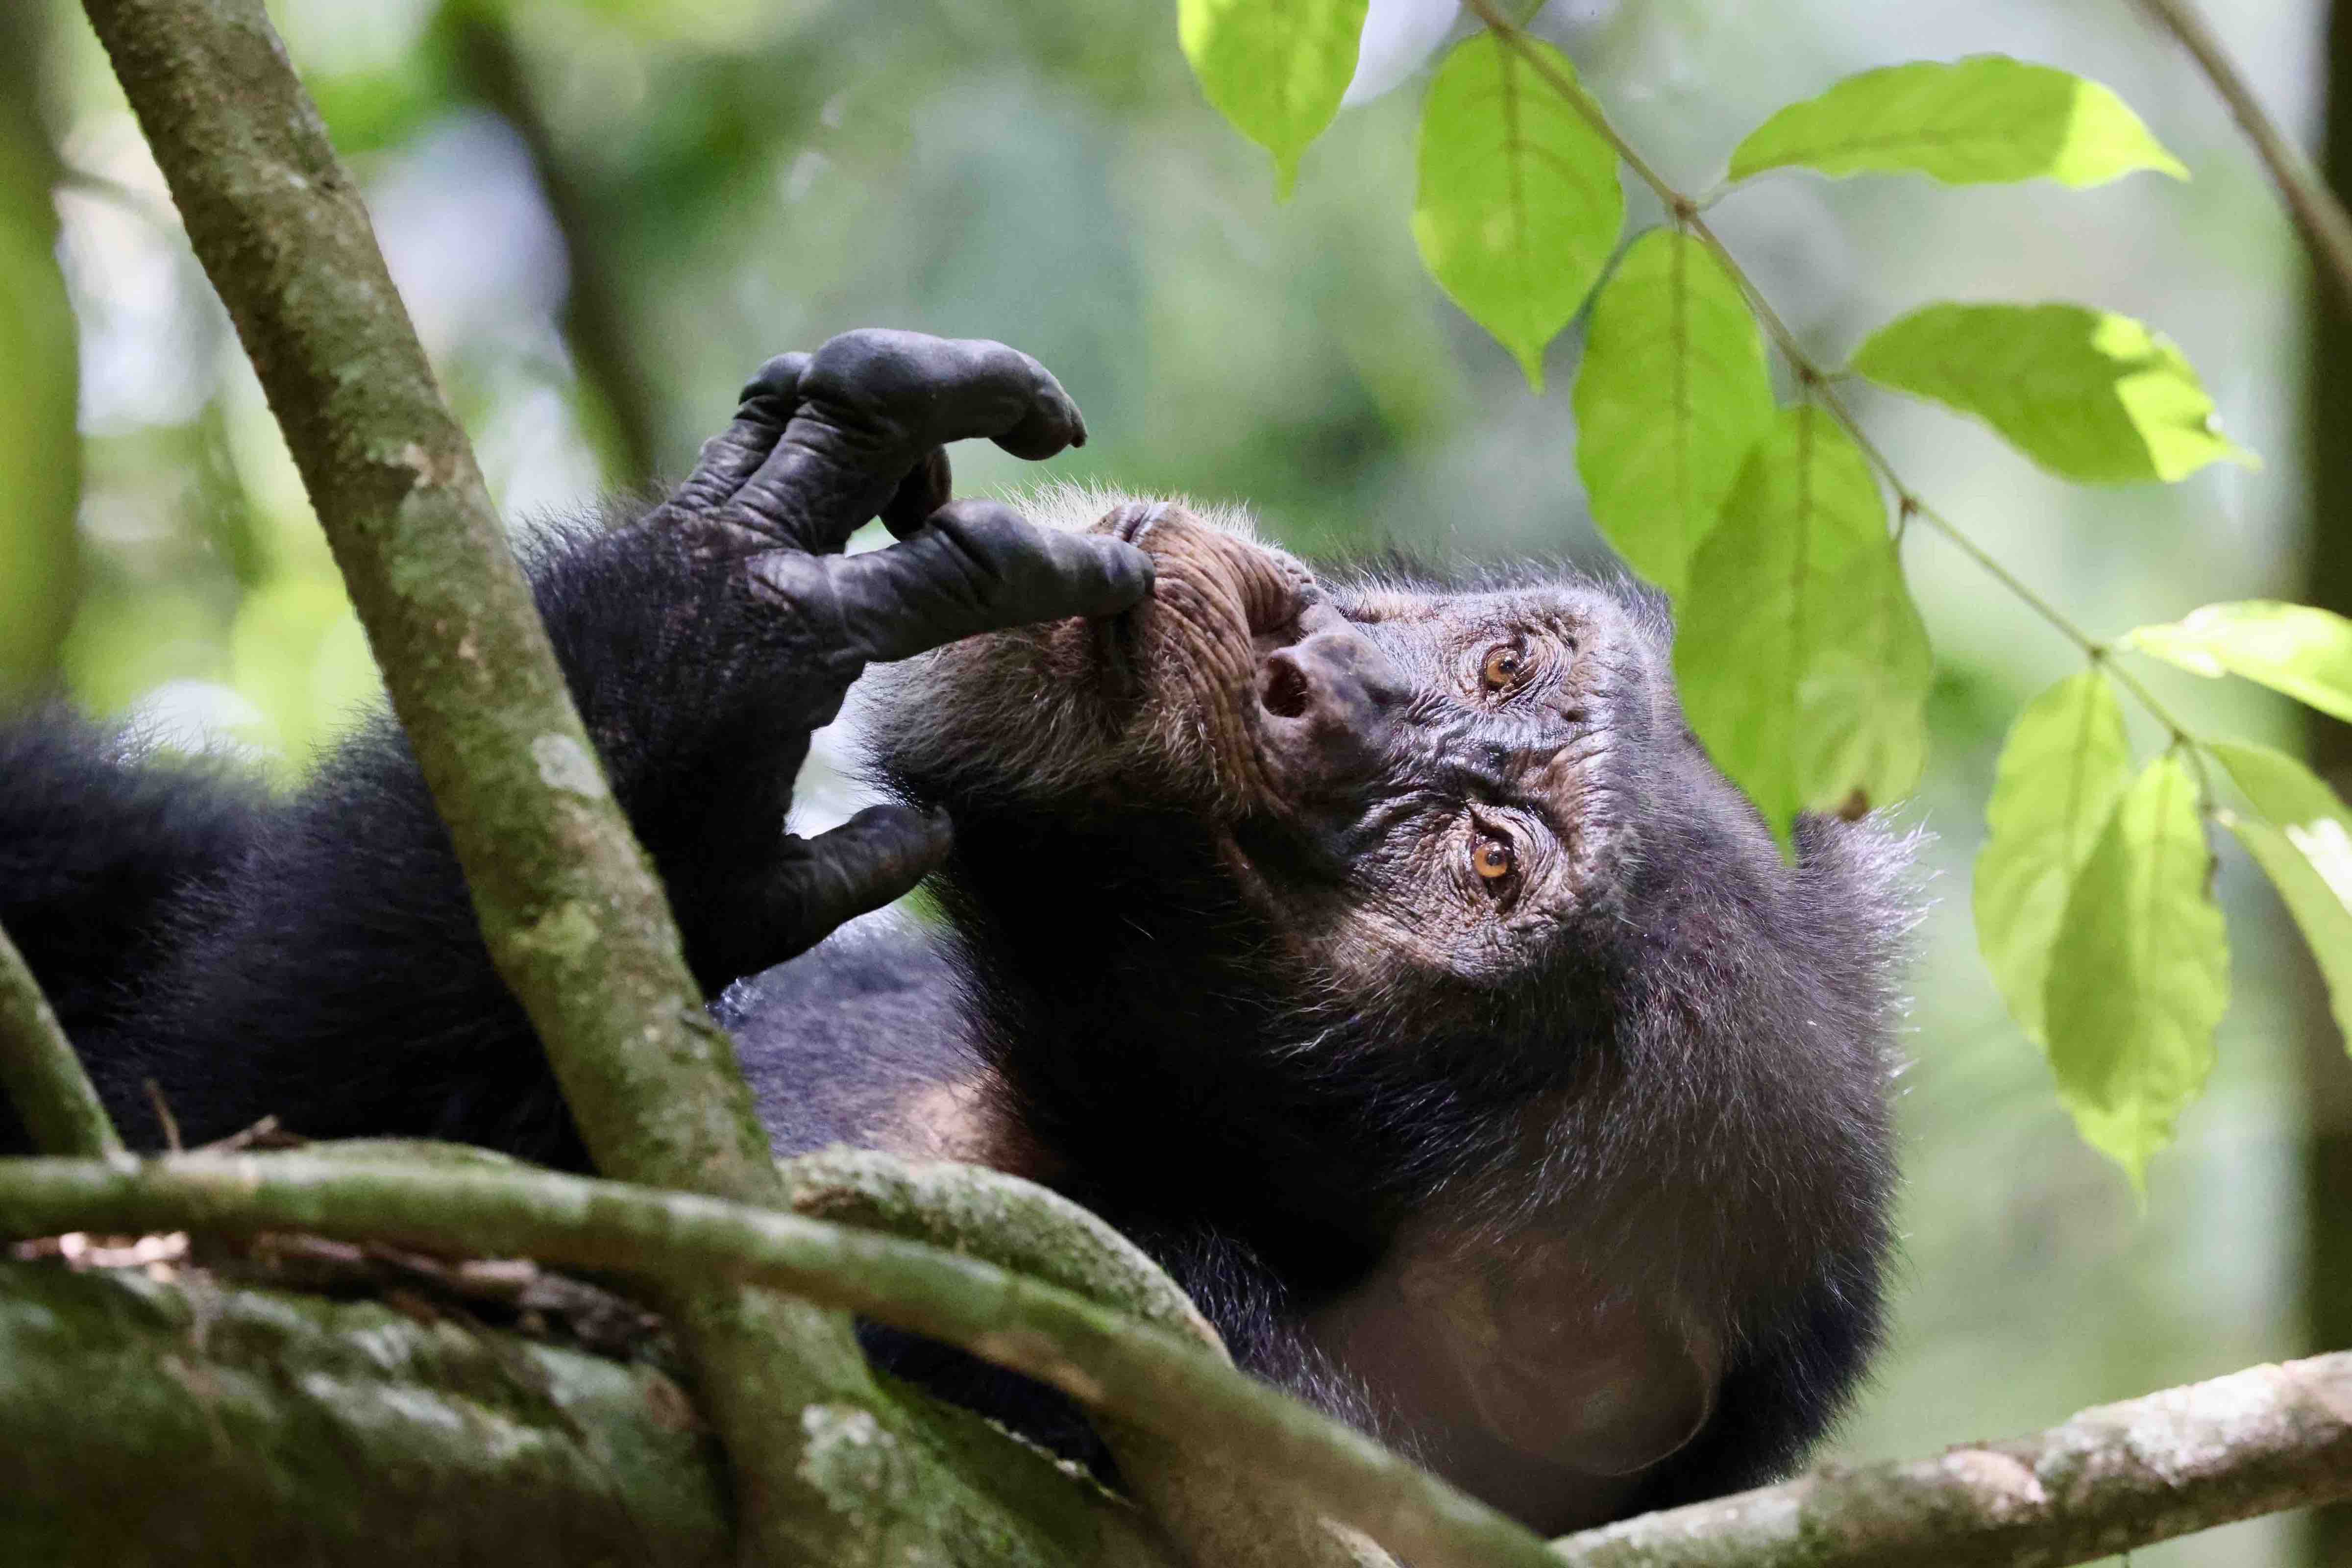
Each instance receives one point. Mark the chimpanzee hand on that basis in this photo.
(820, 444)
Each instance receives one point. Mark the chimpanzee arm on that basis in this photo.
(331, 972)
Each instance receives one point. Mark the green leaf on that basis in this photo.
(1276, 68)
(2300, 650)
(2141, 972)
(1519, 203)
(2088, 394)
(2062, 769)
(1987, 118)
(2303, 842)
(1803, 663)
(1672, 393)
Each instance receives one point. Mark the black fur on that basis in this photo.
(1698, 1052)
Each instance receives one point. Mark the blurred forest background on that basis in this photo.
(604, 213)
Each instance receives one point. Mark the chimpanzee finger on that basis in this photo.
(876, 856)
(976, 566)
(763, 410)
(872, 405)
(925, 490)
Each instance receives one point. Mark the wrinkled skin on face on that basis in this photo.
(1406, 933)
(1406, 787)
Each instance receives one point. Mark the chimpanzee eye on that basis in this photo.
(1506, 665)
(1494, 859)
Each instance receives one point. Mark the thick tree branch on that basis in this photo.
(2114, 1477)
(39, 1073)
(2318, 216)
(572, 913)
(41, 451)
(1223, 1511)
(180, 1413)
(1172, 1388)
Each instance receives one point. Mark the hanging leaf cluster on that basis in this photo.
(1802, 661)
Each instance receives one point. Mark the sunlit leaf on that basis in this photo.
(1519, 203)
(2298, 649)
(2141, 972)
(2087, 394)
(1670, 395)
(1985, 118)
(2303, 842)
(1803, 663)
(1277, 69)
(2063, 765)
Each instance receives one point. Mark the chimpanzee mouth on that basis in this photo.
(1259, 592)
(1185, 664)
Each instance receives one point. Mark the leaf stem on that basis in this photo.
(1822, 384)
(2318, 216)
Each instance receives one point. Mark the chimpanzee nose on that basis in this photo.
(1328, 703)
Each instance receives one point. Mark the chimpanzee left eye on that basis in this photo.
(1494, 859)
(1506, 666)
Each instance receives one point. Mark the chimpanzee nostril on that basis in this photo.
(1286, 694)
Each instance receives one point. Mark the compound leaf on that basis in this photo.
(1519, 203)
(2302, 841)
(2087, 394)
(2063, 765)
(1277, 69)
(1985, 118)
(2297, 649)
(1670, 395)
(2141, 972)
(1803, 665)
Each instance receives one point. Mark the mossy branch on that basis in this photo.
(571, 911)
(2111, 1480)
(1172, 1388)
(39, 1073)
(1222, 1511)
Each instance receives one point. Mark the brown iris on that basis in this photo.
(1504, 668)
(1493, 860)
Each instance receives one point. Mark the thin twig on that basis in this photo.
(2319, 217)
(39, 1072)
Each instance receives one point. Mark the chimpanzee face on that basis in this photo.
(1409, 785)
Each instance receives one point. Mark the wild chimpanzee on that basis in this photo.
(1385, 957)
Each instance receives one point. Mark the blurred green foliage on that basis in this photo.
(748, 175)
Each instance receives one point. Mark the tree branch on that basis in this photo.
(596, 312)
(572, 916)
(2114, 1477)
(1172, 1388)
(2318, 216)
(1223, 1513)
(39, 1073)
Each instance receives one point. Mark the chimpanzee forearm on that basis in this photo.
(331, 971)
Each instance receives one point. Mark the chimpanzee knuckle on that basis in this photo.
(777, 382)
(919, 391)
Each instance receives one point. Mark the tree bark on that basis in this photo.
(1107, 1362)
(40, 447)
(2113, 1478)
(39, 1074)
(2326, 1076)
(573, 918)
